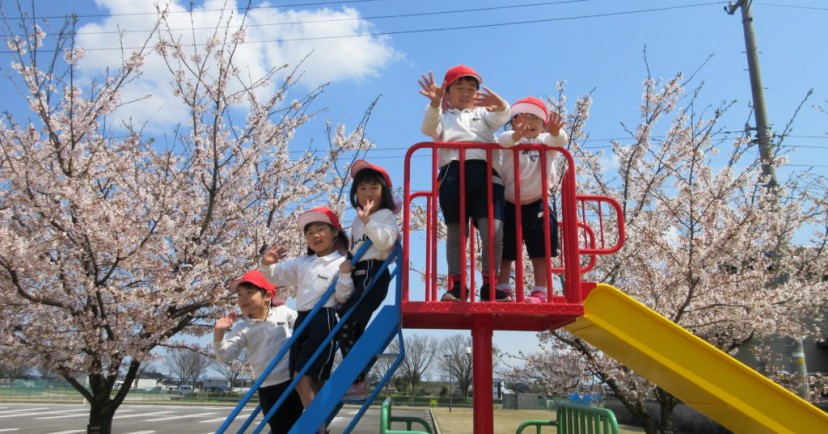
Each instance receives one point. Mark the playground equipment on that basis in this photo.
(386, 419)
(482, 317)
(576, 419)
(383, 329)
(679, 362)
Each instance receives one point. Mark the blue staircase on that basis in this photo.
(380, 332)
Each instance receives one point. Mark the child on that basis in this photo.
(312, 275)
(529, 119)
(263, 330)
(371, 197)
(469, 116)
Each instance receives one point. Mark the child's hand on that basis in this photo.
(555, 124)
(224, 323)
(346, 266)
(490, 100)
(430, 90)
(274, 255)
(364, 212)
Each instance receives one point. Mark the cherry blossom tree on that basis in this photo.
(112, 241)
(234, 370)
(709, 245)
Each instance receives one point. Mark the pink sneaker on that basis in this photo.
(537, 296)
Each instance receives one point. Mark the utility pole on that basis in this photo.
(763, 138)
(763, 133)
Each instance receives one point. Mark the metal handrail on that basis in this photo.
(280, 354)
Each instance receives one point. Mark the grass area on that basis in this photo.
(460, 421)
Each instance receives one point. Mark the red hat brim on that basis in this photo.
(362, 164)
(319, 214)
(255, 278)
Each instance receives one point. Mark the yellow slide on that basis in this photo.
(696, 372)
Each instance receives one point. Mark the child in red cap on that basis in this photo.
(374, 202)
(312, 275)
(531, 124)
(263, 329)
(459, 112)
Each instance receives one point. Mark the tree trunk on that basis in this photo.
(640, 414)
(667, 404)
(100, 418)
(101, 406)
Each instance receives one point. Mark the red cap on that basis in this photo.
(319, 214)
(459, 71)
(257, 279)
(362, 164)
(532, 106)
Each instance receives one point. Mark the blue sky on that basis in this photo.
(372, 48)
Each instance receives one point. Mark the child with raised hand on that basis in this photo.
(263, 329)
(531, 124)
(312, 275)
(374, 203)
(459, 112)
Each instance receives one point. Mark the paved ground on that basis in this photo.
(51, 418)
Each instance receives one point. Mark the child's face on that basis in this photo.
(369, 195)
(252, 301)
(320, 237)
(528, 124)
(461, 94)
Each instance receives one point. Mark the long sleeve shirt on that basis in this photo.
(381, 229)
(311, 275)
(470, 125)
(262, 339)
(531, 183)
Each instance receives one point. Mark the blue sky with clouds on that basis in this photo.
(379, 48)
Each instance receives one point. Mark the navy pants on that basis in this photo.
(288, 413)
(364, 275)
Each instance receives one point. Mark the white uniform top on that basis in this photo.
(531, 185)
(470, 125)
(262, 339)
(311, 275)
(381, 229)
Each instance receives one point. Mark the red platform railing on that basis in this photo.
(589, 225)
(581, 242)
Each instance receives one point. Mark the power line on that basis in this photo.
(367, 18)
(438, 29)
(482, 26)
(814, 8)
(135, 14)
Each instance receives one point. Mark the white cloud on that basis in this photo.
(338, 42)
(610, 163)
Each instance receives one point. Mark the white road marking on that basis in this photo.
(184, 416)
(86, 414)
(219, 419)
(19, 412)
(142, 414)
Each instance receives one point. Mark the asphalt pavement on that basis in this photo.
(132, 418)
